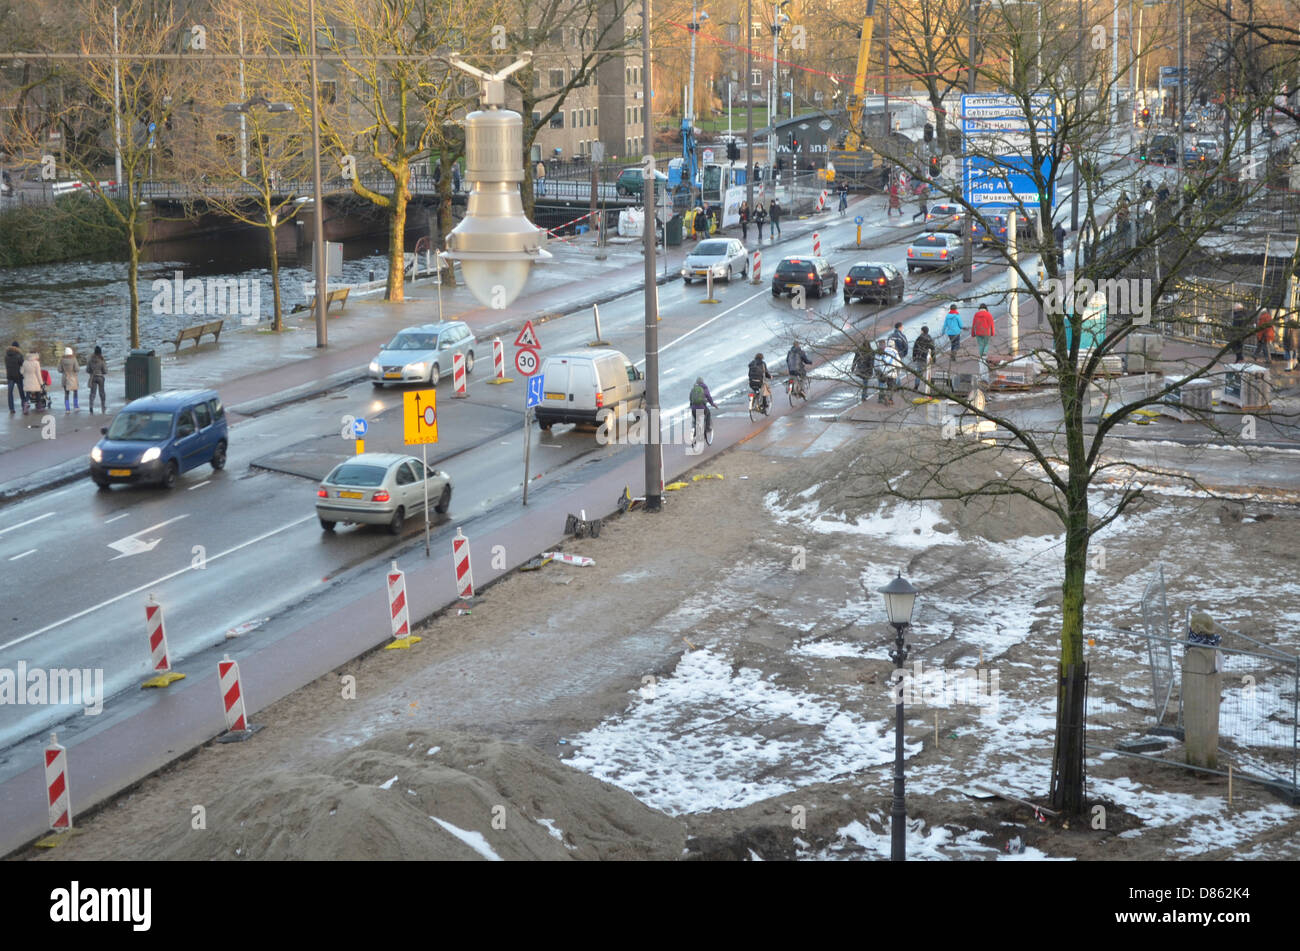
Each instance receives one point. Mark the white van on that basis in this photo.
(585, 387)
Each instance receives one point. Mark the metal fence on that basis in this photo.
(1259, 708)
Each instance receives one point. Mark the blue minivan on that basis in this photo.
(156, 438)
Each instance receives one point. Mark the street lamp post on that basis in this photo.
(749, 108)
(318, 193)
(654, 450)
(694, 26)
(900, 599)
(774, 90)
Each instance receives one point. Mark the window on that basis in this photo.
(184, 425)
(405, 476)
(203, 416)
(595, 116)
(556, 78)
(557, 120)
(755, 78)
(537, 80)
(328, 90)
(218, 411)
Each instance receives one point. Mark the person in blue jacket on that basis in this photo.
(952, 328)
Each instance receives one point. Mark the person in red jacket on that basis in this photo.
(1264, 337)
(982, 329)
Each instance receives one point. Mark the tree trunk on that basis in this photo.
(278, 322)
(1067, 763)
(443, 219)
(133, 281)
(397, 233)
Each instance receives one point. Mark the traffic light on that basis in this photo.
(934, 166)
(733, 151)
(929, 132)
(794, 144)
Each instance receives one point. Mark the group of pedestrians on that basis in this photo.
(760, 215)
(882, 366)
(1269, 329)
(24, 372)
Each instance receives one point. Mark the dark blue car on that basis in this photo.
(156, 438)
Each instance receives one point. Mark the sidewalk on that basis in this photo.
(257, 370)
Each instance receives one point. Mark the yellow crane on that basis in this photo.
(854, 160)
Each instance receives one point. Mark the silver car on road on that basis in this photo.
(423, 354)
(726, 257)
(380, 488)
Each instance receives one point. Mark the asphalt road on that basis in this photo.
(224, 551)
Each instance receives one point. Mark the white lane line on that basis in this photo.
(199, 486)
(28, 522)
(29, 551)
(108, 521)
(718, 316)
(155, 582)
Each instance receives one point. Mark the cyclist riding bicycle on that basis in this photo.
(701, 398)
(795, 361)
(758, 377)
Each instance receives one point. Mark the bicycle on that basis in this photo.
(797, 385)
(759, 403)
(700, 413)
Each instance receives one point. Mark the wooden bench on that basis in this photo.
(197, 331)
(340, 295)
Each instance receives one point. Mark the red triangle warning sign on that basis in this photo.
(528, 337)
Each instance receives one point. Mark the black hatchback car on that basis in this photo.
(815, 275)
(871, 281)
(1161, 148)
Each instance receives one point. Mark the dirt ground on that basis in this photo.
(716, 687)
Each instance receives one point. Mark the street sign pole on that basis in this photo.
(528, 442)
(424, 459)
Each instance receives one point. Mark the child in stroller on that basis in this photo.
(36, 382)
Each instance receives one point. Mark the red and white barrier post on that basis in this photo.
(56, 785)
(821, 200)
(458, 373)
(399, 615)
(817, 244)
(238, 728)
(756, 270)
(460, 561)
(499, 362)
(159, 656)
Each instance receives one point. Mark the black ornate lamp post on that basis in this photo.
(900, 598)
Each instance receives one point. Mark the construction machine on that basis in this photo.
(854, 160)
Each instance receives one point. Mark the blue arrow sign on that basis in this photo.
(359, 428)
(857, 219)
(534, 390)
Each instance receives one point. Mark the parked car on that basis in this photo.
(631, 180)
(585, 388)
(1161, 148)
(725, 257)
(156, 438)
(934, 249)
(943, 216)
(873, 281)
(423, 354)
(811, 273)
(380, 488)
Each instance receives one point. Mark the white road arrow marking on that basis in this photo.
(133, 545)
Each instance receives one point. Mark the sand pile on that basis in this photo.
(429, 795)
(853, 483)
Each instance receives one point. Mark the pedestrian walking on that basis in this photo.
(455, 178)
(539, 173)
(1059, 234)
(921, 191)
(744, 222)
(1264, 337)
(1238, 334)
(97, 369)
(890, 367)
(923, 354)
(982, 329)
(844, 200)
(952, 328)
(34, 380)
(774, 218)
(760, 216)
(1291, 340)
(864, 368)
(69, 368)
(898, 341)
(894, 204)
(14, 375)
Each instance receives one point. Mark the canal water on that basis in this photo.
(82, 304)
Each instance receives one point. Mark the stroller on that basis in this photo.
(40, 399)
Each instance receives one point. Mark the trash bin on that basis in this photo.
(674, 235)
(143, 374)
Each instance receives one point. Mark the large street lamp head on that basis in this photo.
(900, 598)
(495, 243)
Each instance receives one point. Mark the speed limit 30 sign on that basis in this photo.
(526, 361)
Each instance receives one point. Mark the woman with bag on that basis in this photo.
(69, 368)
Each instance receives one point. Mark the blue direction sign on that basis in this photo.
(534, 390)
(360, 427)
(1169, 76)
(996, 168)
(857, 219)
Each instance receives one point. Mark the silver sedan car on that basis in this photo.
(423, 354)
(725, 257)
(380, 488)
